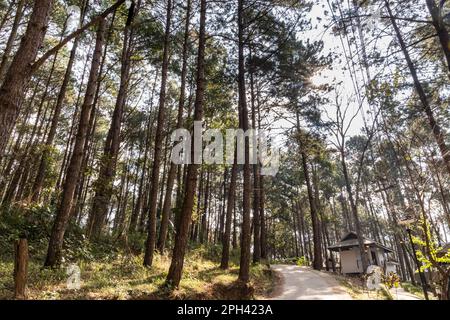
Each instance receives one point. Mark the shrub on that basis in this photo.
(33, 222)
(302, 261)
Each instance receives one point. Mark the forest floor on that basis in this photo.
(126, 278)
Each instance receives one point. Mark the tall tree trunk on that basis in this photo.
(439, 26)
(7, 167)
(244, 267)
(73, 171)
(234, 241)
(320, 222)
(354, 208)
(12, 90)
(108, 163)
(436, 129)
(22, 170)
(229, 217)
(296, 229)
(71, 135)
(93, 120)
(176, 266)
(261, 202)
(301, 228)
(196, 228)
(263, 219)
(7, 15)
(443, 197)
(204, 212)
(327, 243)
(137, 214)
(153, 195)
(317, 260)
(164, 172)
(223, 206)
(256, 179)
(11, 38)
(39, 180)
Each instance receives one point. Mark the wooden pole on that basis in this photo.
(20, 268)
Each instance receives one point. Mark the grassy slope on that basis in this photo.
(109, 270)
(125, 278)
(356, 289)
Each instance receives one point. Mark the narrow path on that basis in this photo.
(303, 283)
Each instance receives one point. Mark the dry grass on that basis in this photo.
(355, 287)
(126, 278)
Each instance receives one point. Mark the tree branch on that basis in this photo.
(74, 34)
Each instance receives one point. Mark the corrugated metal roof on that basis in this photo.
(350, 240)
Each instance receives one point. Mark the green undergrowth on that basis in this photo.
(413, 289)
(111, 268)
(355, 288)
(126, 278)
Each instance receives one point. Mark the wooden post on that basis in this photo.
(20, 268)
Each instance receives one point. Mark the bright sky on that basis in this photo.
(339, 72)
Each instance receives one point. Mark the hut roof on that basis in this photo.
(351, 240)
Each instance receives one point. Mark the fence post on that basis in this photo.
(20, 268)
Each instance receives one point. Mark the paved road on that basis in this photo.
(303, 283)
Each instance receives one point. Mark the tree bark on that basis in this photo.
(137, 213)
(223, 208)
(436, 129)
(204, 212)
(12, 90)
(441, 30)
(256, 179)
(244, 267)
(229, 217)
(301, 223)
(93, 119)
(7, 15)
(11, 38)
(75, 34)
(108, 163)
(176, 266)
(73, 171)
(317, 259)
(21, 269)
(354, 208)
(296, 228)
(262, 201)
(71, 136)
(42, 169)
(153, 195)
(22, 170)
